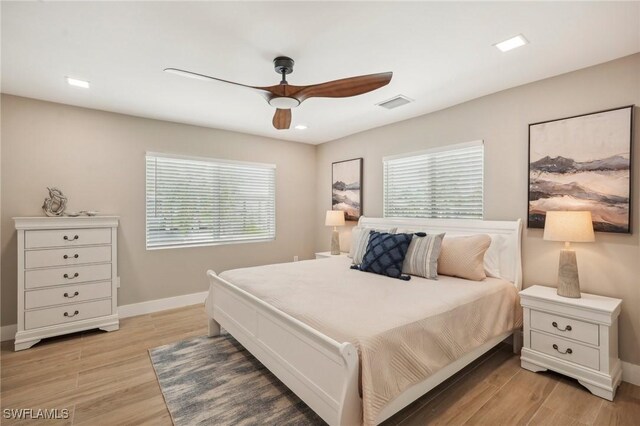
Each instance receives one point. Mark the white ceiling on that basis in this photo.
(441, 54)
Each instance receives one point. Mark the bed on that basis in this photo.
(358, 347)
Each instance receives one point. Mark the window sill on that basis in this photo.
(221, 243)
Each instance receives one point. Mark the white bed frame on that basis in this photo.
(320, 370)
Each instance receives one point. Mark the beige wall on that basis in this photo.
(609, 267)
(97, 159)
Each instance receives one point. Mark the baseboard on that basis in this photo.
(631, 373)
(151, 306)
(8, 332)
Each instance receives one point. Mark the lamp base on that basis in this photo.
(568, 281)
(335, 242)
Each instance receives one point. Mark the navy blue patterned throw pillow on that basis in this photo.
(385, 254)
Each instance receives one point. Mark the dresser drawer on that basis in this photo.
(69, 275)
(66, 256)
(575, 352)
(66, 313)
(60, 295)
(66, 237)
(566, 327)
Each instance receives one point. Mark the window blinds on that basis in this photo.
(201, 201)
(440, 183)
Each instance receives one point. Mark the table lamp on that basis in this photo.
(568, 226)
(335, 218)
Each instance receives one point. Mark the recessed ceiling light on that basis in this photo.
(78, 83)
(301, 127)
(512, 43)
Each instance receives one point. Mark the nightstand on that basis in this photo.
(327, 254)
(574, 337)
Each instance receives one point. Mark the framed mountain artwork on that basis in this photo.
(583, 163)
(346, 188)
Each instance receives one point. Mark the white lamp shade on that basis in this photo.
(569, 226)
(334, 218)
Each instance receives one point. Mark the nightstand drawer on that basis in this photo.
(565, 349)
(566, 327)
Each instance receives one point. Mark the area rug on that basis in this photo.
(216, 381)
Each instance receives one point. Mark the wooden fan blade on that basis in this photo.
(282, 119)
(344, 88)
(197, 76)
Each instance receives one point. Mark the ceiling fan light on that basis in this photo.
(284, 102)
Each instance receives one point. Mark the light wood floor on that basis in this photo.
(107, 378)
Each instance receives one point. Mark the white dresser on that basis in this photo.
(67, 276)
(575, 337)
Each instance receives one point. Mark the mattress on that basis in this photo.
(404, 330)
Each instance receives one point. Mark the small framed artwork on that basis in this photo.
(583, 163)
(346, 188)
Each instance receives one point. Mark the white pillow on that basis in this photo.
(492, 256)
(355, 238)
(360, 239)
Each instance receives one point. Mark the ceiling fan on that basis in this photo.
(285, 96)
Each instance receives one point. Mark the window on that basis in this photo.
(202, 201)
(442, 183)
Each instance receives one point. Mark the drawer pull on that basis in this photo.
(75, 256)
(567, 328)
(66, 314)
(71, 297)
(66, 238)
(76, 275)
(567, 352)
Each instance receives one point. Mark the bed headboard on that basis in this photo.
(507, 234)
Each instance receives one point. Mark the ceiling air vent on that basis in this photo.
(395, 102)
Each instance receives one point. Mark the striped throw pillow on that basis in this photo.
(422, 257)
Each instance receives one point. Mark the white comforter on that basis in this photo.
(404, 330)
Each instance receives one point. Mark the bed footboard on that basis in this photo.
(319, 370)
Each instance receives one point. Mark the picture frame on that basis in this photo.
(346, 187)
(583, 162)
